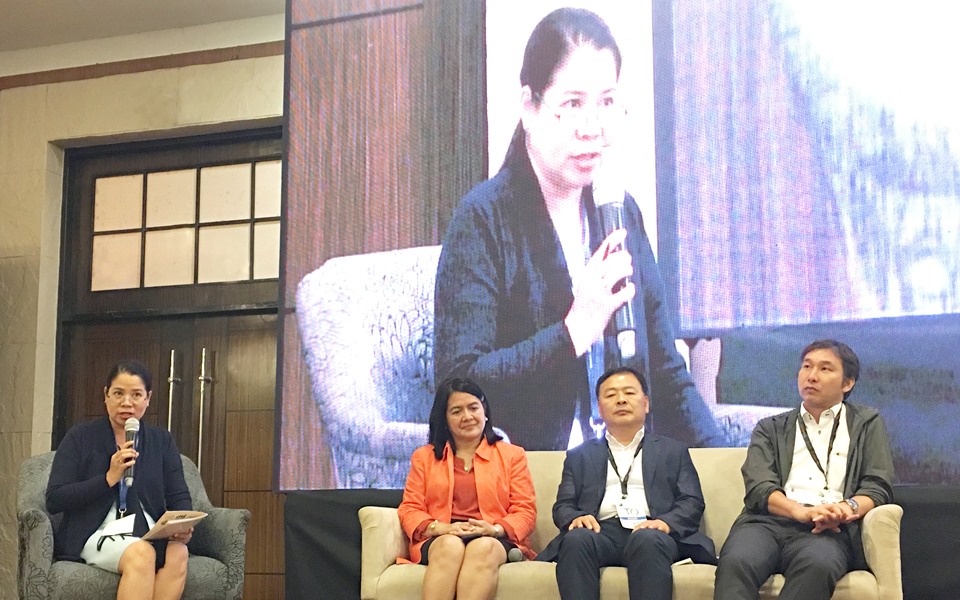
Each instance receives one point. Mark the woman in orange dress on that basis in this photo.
(468, 501)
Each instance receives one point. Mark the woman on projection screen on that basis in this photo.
(530, 277)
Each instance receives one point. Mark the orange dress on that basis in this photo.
(504, 492)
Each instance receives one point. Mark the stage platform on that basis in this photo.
(323, 541)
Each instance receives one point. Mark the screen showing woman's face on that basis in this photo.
(569, 131)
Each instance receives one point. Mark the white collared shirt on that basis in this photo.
(623, 455)
(805, 482)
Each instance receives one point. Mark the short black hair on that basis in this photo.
(131, 367)
(440, 434)
(848, 358)
(616, 371)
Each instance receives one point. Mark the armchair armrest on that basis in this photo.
(223, 536)
(36, 553)
(383, 542)
(881, 547)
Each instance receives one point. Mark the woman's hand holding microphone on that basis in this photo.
(124, 458)
(594, 300)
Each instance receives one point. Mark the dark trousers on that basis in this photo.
(811, 563)
(646, 553)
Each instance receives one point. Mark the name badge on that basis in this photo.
(630, 514)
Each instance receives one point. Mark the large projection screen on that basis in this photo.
(796, 167)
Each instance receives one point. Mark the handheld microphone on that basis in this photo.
(514, 555)
(130, 429)
(609, 202)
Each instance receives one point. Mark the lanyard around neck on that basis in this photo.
(623, 480)
(124, 488)
(813, 453)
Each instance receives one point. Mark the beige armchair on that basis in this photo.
(719, 469)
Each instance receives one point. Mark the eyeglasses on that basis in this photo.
(575, 112)
(136, 396)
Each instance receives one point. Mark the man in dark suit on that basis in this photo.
(629, 499)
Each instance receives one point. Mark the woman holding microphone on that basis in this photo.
(103, 516)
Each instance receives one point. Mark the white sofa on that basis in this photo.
(719, 469)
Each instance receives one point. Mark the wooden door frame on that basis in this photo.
(76, 306)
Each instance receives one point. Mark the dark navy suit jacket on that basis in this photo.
(78, 484)
(669, 480)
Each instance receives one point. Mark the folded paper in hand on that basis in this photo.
(173, 522)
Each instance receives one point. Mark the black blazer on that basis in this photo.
(502, 292)
(669, 479)
(78, 485)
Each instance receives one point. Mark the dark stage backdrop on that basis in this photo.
(323, 541)
(796, 163)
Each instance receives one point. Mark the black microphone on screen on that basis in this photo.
(130, 429)
(608, 198)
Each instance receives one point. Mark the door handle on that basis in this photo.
(204, 379)
(172, 380)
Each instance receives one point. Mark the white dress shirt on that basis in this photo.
(623, 455)
(805, 484)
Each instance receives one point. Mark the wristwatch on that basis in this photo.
(853, 504)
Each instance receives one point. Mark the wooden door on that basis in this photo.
(244, 392)
(91, 349)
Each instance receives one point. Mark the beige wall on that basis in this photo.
(36, 124)
(225, 34)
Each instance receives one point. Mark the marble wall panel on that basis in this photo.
(47, 292)
(21, 208)
(110, 105)
(52, 202)
(246, 89)
(8, 559)
(19, 289)
(43, 385)
(22, 117)
(54, 162)
(16, 387)
(40, 442)
(14, 448)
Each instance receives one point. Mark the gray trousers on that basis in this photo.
(766, 544)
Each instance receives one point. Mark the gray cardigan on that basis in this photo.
(869, 464)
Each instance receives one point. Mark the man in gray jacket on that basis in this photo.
(810, 475)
